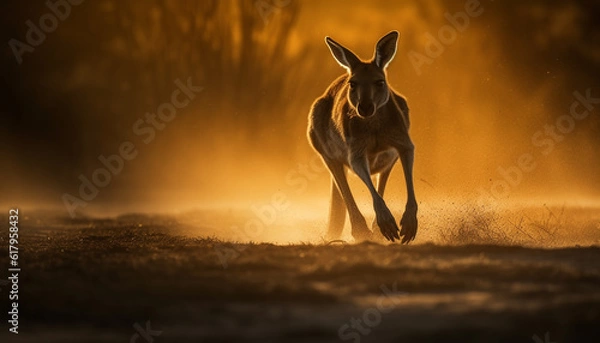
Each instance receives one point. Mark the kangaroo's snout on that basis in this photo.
(366, 109)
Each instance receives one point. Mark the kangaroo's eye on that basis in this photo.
(380, 83)
(352, 84)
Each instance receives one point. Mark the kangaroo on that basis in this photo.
(362, 124)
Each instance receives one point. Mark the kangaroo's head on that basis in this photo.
(367, 87)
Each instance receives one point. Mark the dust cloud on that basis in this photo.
(490, 85)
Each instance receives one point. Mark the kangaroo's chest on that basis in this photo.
(374, 140)
(382, 160)
(369, 136)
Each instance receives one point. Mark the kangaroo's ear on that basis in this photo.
(343, 56)
(385, 50)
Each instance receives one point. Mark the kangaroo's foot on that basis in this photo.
(409, 225)
(387, 224)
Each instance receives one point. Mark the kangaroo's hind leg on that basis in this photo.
(337, 213)
(360, 231)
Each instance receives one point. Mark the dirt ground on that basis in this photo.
(141, 278)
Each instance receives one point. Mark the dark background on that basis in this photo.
(262, 63)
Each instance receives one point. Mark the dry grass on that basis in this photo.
(475, 225)
(533, 227)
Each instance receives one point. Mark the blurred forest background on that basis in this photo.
(262, 63)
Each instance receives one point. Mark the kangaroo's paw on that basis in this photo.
(387, 225)
(409, 225)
